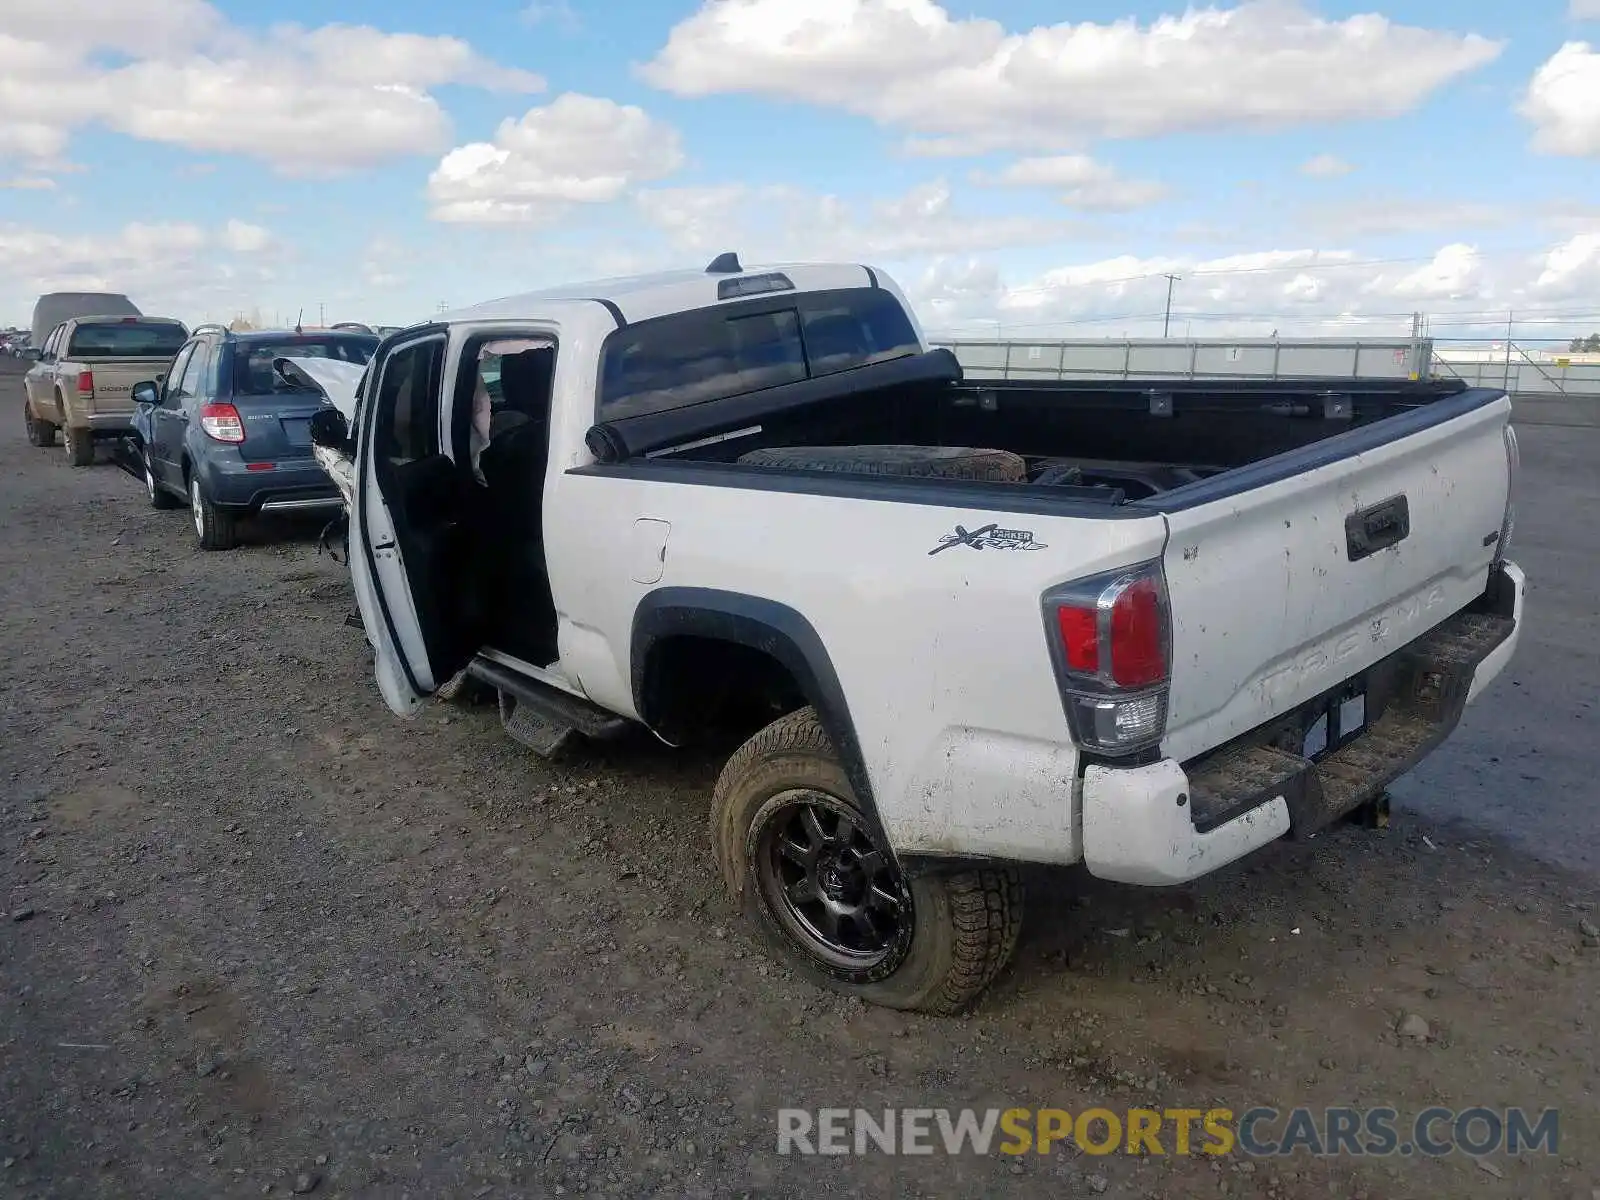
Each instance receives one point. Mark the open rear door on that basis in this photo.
(411, 531)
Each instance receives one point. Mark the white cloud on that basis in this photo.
(1325, 166)
(1455, 273)
(781, 222)
(28, 183)
(1571, 268)
(172, 267)
(135, 27)
(1082, 183)
(1296, 292)
(175, 71)
(1384, 215)
(243, 238)
(557, 13)
(575, 150)
(964, 85)
(1563, 102)
(1583, 9)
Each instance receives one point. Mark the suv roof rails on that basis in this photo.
(208, 327)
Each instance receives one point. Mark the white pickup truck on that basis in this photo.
(1145, 626)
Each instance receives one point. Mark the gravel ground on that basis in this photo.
(263, 937)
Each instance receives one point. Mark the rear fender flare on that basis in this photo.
(773, 629)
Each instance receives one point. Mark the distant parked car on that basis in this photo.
(82, 382)
(230, 435)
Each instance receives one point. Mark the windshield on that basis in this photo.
(711, 353)
(127, 339)
(252, 361)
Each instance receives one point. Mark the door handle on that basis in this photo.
(1385, 524)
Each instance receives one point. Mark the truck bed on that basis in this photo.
(1309, 528)
(1115, 442)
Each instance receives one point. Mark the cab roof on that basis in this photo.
(641, 297)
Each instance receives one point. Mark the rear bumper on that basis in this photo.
(291, 485)
(1168, 823)
(110, 424)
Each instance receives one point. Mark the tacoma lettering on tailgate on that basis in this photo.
(1403, 616)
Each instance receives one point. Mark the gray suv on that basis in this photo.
(226, 433)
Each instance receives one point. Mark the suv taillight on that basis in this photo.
(85, 383)
(1111, 635)
(221, 423)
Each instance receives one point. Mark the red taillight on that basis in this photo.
(85, 383)
(1138, 641)
(1080, 638)
(1113, 657)
(1131, 650)
(221, 423)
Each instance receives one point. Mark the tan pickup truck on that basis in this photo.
(83, 381)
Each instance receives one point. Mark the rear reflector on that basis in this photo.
(261, 466)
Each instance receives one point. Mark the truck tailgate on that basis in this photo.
(114, 379)
(1280, 592)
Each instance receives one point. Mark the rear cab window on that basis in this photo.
(253, 373)
(128, 338)
(741, 347)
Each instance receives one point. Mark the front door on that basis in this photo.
(169, 421)
(410, 531)
(39, 382)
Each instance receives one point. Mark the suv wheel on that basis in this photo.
(807, 868)
(216, 528)
(159, 496)
(40, 433)
(80, 446)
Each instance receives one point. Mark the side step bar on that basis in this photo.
(541, 717)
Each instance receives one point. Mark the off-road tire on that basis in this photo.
(40, 433)
(158, 496)
(80, 446)
(963, 925)
(918, 462)
(215, 528)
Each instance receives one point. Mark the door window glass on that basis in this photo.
(174, 390)
(408, 402)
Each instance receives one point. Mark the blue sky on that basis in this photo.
(1017, 164)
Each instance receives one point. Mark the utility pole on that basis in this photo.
(322, 314)
(1510, 316)
(1166, 321)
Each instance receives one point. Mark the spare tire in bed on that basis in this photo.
(922, 462)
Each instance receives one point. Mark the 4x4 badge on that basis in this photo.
(989, 537)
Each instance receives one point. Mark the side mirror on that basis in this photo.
(330, 430)
(146, 393)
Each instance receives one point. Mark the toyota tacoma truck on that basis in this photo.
(82, 383)
(1148, 627)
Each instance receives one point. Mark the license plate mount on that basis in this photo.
(1338, 721)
